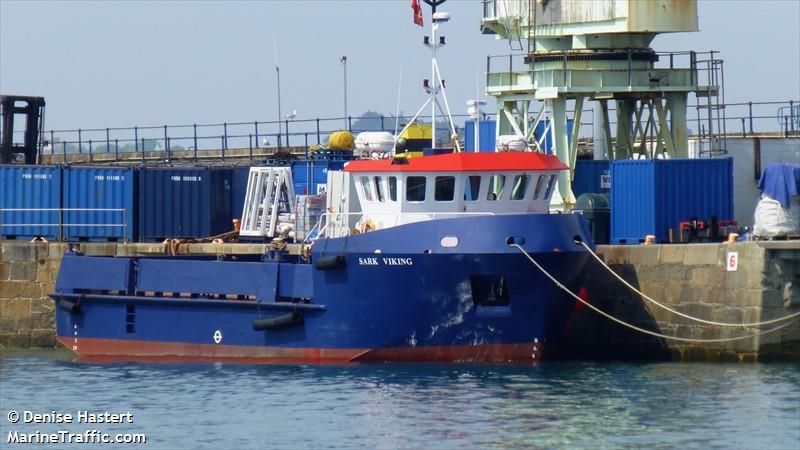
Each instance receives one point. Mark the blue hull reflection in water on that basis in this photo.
(416, 406)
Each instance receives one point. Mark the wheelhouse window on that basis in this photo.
(415, 189)
(496, 183)
(379, 189)
(472, 188)
(538, 190)
(392, 188)
(550, 186)
(445, 189)
(366, 186)
(519, 186)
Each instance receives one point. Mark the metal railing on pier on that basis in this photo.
(259, 137)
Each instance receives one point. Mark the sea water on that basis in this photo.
(556, 405)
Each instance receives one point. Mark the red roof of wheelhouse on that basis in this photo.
(462, 162)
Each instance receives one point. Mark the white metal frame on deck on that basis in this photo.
(265, 186)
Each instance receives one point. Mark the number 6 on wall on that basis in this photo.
(732, 261)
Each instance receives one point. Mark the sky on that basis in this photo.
(114, 64)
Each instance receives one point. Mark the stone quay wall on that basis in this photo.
(28, 274)
(691, 278)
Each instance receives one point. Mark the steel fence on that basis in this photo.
(744, 118)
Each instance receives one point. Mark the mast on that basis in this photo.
(434, 85)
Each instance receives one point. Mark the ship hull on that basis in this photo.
(394, 295)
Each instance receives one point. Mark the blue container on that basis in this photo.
(486, 135)
(332, 155)
(311, 176)
(184, 202)
(591, 177)
(239, 190)
(652, 196)
(436, 151)
(545, 136)
(30, 198)
(100, 203)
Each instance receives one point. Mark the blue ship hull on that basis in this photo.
(391, 295)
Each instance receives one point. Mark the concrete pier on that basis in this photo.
(693, 279)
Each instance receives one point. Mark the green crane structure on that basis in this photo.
(579, 51)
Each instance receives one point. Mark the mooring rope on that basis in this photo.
(634, 327)
(696, 319)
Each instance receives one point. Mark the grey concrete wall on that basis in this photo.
(692, 279)
(747, 169)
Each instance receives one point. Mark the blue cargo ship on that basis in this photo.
(431, 276)
(410, 259)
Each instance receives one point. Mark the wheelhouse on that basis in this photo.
(398, 191)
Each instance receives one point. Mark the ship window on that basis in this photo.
(393, 189)
(472, 187)
(379, 189)
(538, 190)
(519, 186)
(445, 189)
(550, 187)
(496, 183)
(366, 186)
(415, 189)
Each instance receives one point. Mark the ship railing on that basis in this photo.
(60, 222)
(333, 221)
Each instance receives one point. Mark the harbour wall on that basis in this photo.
(692, 278)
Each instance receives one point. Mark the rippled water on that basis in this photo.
(592, 405)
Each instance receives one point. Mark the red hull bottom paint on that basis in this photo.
(124, 350)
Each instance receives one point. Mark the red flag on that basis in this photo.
(417, 12)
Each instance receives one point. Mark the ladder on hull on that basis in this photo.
(268, 201)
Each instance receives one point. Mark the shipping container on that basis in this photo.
(184, 202)
(310, 176)
(239, 190)
(591, 176)
(544, 135)
(344, 155)
(486, 136)
(649, 197)
(30, 202)
(99, 203)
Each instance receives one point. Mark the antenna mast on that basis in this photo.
(436, 83)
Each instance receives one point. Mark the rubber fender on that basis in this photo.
(293, 318)
(330, 262)
(68, 306)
